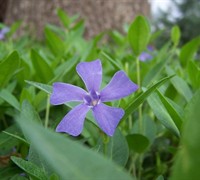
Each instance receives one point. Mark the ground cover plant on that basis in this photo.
(138, 117)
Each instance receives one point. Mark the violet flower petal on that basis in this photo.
(63, 93)
(1, 36)
(107, 117)
(119, 87)
(73, 122)
(5, 30)
(144, 56)
(91, 74)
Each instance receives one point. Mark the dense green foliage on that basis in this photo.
(185, 14)
(158, 135)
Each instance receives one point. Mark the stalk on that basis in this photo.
(47, 112)
(139, 84)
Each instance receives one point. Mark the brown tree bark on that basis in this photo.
(3, 7)
(99, 15)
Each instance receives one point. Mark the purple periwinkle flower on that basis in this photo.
(106, 117)
(3, 32)
(145, 56)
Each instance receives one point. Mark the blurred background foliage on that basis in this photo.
(183, 13)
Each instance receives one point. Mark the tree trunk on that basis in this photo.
(99, 15)
(3, 6)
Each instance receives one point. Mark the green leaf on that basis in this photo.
(141, 98)
(29, 114)
(139, 34)
(63, 18)
(29, 167)
(180, 85)
(64, 68)
(43, 71)
(160, 177)
(163, 56)
(106, 57)
(149, 128)
(187, 160)
(117, 148)
(6, 141)
(66, 157)
(44, 87)
(14, 27)
(55, 43)
(194, 74)
(137, 142)
(16, 136)
(171, 110)
(188, 51)
(9, 98)
(175, 35)
(8, 68)
(38, 160)
(54, 177)
(162, 114)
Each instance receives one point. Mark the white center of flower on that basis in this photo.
(92, 99)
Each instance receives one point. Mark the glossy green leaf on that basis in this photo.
(139, 35)
(8, 68)
(55, 43)
(106, 57)
(42, 69)
(9, 98)
(160, 177)
(194, 74)
(68, 158)
(7, 141)
(161, 113)
(44, 87)
(54, 177)
(163, 56)
(116, 148)
(29, 168)
(187, 160)
(149, 128)
(175, 35)
(65, 68)
(188, 51)
(16, 136)
(137, 142)
(171, 110)
(14, 27)
(142, 97)
(63, 18)
(180, 85)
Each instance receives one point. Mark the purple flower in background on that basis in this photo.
(3, 32)
(145, 56)
(106, 117)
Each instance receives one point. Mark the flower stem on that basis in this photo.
(47, 112)
(132, 168)
(140, 124)
(140, 158)
(105, 144)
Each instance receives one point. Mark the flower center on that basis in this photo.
(92, 99)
